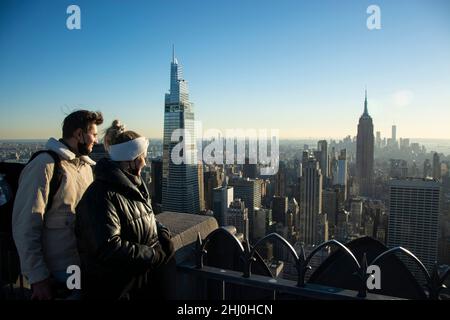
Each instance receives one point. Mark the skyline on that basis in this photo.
(320, 58)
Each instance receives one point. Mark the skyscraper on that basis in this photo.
(279, 209)
(399, 168)
(394, 135)
(365, 153)
(342, 176)
(322, 146)
(334, 172)
(404, 144)
(311, 202)
(436, 167)
(180, 181)
(378, 139)
(201, 187)
(414, 209)
(249, 191)
(356, 211)
(414, 170)
(280, 180)
(212, 179)
(427, 169)
(237, 215)
(222, 196)
(330, 205)
(260, 223)
(294, 209)
(250, 170)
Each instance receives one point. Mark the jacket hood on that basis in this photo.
(109, 172)
(64, 152)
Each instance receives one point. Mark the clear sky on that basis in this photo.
(298, 66)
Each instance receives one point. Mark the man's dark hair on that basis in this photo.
(80, 119)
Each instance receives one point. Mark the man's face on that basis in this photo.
(90, 137)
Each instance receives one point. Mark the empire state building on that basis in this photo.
(364, 153)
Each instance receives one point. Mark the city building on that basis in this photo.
(237, 216)
(414, 209)
(279, 208)
(212, 178)
(222, 196)
(249, 191)
(398, 169)
(378, 139)
(201, 187)
(294, 210)
(436, 166)
(330, 205)
(322, 147)
(365, 153)
(343, 228)
(181, 186)
(260, 225)
(356, 212)
(394, 136)
(312, 220)
(280, 180)
(427, 169)
(340, 174)
(250, 170)
(404, 144)
(375, 220)
(414, 170)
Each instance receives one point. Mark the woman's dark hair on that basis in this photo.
(116, 134)
(80, 119)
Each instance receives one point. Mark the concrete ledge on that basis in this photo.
(184, 228)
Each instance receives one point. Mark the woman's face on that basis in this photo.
(139, 163)
(136, 166)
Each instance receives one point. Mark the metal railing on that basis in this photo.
(434, 282)
(277, 286)
(14, 289)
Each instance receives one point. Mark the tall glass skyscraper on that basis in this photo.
(180, 181)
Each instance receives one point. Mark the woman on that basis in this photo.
(124, 251)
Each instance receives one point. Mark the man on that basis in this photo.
(45, 236)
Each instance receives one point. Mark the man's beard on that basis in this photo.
(83, 148)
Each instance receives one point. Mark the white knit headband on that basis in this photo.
(128, 151)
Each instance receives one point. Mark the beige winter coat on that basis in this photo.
(46, 240)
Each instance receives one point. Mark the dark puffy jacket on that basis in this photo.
(115, 228)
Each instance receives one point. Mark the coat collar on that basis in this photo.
(109, 171)
(64, 152)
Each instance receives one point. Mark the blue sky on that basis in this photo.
(297, 66)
